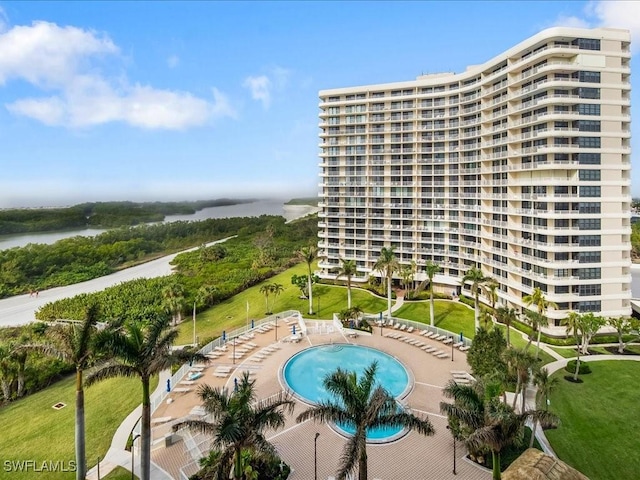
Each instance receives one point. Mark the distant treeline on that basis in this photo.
(76, 259)
(100, 214)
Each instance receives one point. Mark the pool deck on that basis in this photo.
(412, 456)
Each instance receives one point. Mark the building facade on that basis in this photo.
(519, 166)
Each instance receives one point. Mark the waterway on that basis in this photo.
(253, 209)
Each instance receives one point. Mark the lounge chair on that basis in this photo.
(410, 329)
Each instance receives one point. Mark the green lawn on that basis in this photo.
(119, 473)
(452, 316)
(232, 313)
(518, 341)
(565, 352)
(599, 427)
(32, 430)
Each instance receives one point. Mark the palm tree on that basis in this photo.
(507, 316)
(491, 291)
(361, 404)
(7, 372)
(574, 326)
(266, 291)
(276, 290)
(538, 299)
(74, 344)
(140, 350)
(407, 274)
(387, 264)
(431, 269)
(308, 255)
(348, 269)
(477, 279)
(520, 362)
(238, 423)
(173, 295)
(206, 295)
(545, 384)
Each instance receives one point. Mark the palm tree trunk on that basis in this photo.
(533, 434)
(310, 292)
(477, 312)
(495, 457)
(431, 308)
(6, 390)
(363, 473)
(349, 292)
(389, 296)
(237, 465)
(620, 343)
(145, 430)
(81, 460)
(20, 387)
(515, 395)
(538, 344)
(508, 328)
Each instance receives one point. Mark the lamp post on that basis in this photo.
(194, 324)
(454, 448)
(133, 448)
(452, 342)
(234, 350)
(277, 328)
(315, 456)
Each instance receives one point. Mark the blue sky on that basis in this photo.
(179, 100)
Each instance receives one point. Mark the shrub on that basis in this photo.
(583, 370)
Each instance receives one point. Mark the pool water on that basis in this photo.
(304, 374)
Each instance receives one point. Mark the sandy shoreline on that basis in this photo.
(293, 212)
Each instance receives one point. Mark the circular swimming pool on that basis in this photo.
(304, 374)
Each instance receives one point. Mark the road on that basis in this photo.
(21, 309)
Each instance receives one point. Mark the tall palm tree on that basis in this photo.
(140, 350)
(574, 326)
(266, 291)
(308, 255)
(491, 291)
(361, 404)
(506, 316)
(407, 274)
(477, 279)
(238, 423)
(538, 299)
(520, 362)
(173, 300)
(348, 269)
(431, 269)
(74, 344)
(387, 264)
(545, 384)
(276, 290)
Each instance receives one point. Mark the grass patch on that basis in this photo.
(119, 473)
(232, 313)
(451, 316)
(32, 430)
(598, 429)
(565, 352)
(517, 340)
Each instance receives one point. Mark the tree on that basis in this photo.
(591, 323)
(348, 269)
(362, 404)
(624, 326)
(486, 422)
(142, 350)
(477, 279)
(276, 290)
(387, 265)
(173, 299)
(239, 423)
(349, 314)
(520, 362)
(574, 326)
(407, 274)
(485, 355)
(308, 255)
(206, 295)
(491, 291)
(538, 300)
(507, 316)
(74, 344)
(545, 384)
(431, 269)
(7, 372)
(266, 291)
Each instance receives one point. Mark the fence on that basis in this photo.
(392, 321)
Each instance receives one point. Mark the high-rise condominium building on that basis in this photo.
(519, 166)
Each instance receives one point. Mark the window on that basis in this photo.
(589, 77)
(589, 224)
(589, 207)
(589, 126)
(585, 92)
(588, 142)
(589, 175)
(590, 240)
(589, 290)
(590, 306)
(588, 109)
(589, 191)
(562, 288)
(589, 257)
(587, 43)
(589, 273)
(589, 158)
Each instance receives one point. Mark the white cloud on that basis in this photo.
(608, 13)
(62, 60)
(173, 61)
(260, 88)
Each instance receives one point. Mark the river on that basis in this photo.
(254, 209)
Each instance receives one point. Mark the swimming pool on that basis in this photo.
(304, 373)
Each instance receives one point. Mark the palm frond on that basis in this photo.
(110, 370)
(325, 412)
(349, 457)
(198, 426)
